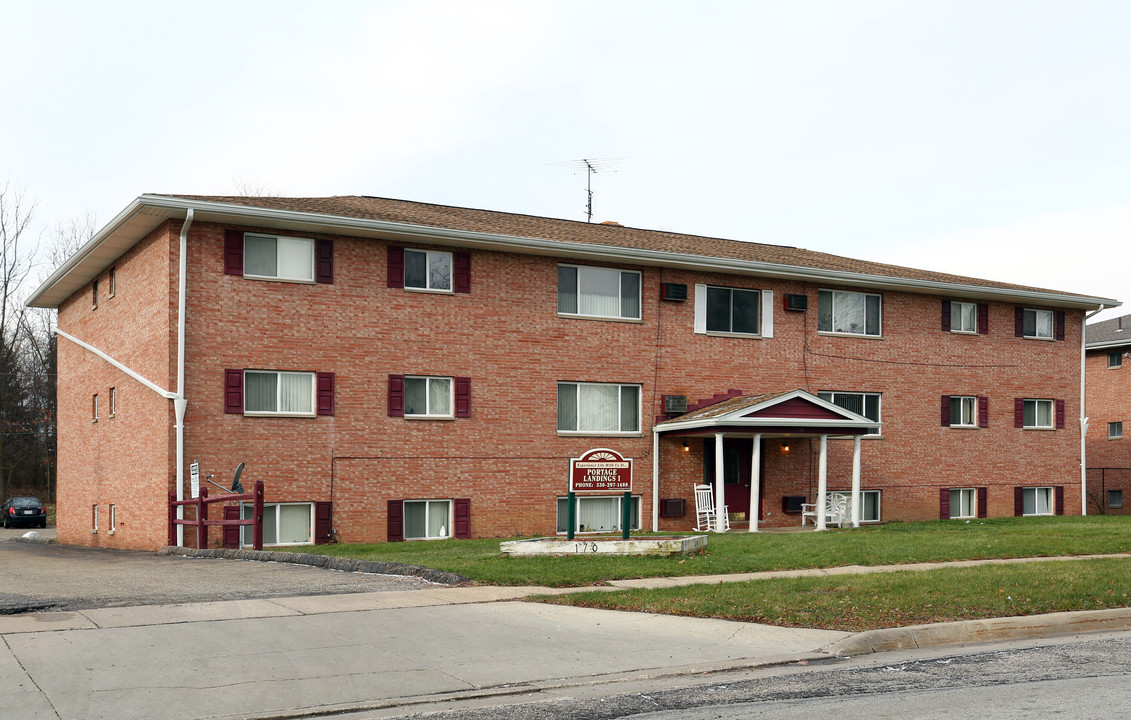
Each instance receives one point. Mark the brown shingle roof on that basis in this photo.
(530, 226)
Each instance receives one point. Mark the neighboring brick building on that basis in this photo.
(401, 370)
(1107, 365)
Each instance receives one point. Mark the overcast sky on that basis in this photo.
(985, 138)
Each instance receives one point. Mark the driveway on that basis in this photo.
(42, 576)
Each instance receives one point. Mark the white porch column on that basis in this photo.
(655, 481)
(856, 481)
(822, 482)
(755, 482)
(720, 506)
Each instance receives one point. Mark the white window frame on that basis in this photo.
(1036, 405)
(113, 401)
(863, 505)
(1115, 430)
(278, 394)
(620, 408)
(281, 242)
(833, 295)
(765, 306)
(1036, 313)
(428, 505)
(1036, 492)
(247, 531)
(831, 395)
(428, 257)
(94, 519)
(113, 518)
(428, 396)
(1115, 359)
(113, 283)
(562, 512)
(956, 508)
(956, 314)
(580, 270)
(964, 402)
(94, 408)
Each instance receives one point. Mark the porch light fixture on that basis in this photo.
(686, 447)
(785, 446)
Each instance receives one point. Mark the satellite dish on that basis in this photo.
(236, 487)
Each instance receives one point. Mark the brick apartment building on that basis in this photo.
(397, 370)
(1107, 365)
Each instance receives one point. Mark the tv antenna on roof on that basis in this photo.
(590, 166)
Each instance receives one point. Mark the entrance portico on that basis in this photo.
(787, 415)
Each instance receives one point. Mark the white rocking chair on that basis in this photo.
(836, 508)
(705, 510)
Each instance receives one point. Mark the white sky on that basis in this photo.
(985, 138)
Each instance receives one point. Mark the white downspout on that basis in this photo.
(1083, 416)
(655, 481)
(179, 402)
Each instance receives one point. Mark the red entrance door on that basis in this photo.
(737, 454)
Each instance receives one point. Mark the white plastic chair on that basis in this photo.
(836, 508)
(705, 509)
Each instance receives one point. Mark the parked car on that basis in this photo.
(25, 511)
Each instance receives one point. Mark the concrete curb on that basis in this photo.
(323, 561)
(982, 631)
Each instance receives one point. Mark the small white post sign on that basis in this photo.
(194, 478)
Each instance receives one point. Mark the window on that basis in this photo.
(1115, 430)
(963, 502)
(730, 310)
(283, 524)
(428, 270)
(281, 258)
(113, 519)
(963, 317)
(1036, 501)
(94, 295)
(94, 519)
(269, 392)
(596, 513)
(427, 519)
(113, 282)
(851, 313)
(963, 411)
(113, 401)
(1038, 323)
(1115, 498)
(1038, 414)
(94, 408)
(1115, 359)
(598, 408)
(427, 397)
(598, 292)
(870, 506)
(866, 404)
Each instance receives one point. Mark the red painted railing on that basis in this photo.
(202, 523)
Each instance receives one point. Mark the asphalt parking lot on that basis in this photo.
(46, 576)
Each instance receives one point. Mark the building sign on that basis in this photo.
(600, 470)
(194, 478)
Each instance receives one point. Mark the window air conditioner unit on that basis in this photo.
(675, 404)
(674, 292)
(797, 302)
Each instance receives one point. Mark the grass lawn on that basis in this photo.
(738, 552)
(884, 600)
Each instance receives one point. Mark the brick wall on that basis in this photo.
(1108, 400)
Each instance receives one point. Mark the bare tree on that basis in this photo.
(251, 188)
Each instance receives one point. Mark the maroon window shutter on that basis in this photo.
(983, 501)
(983, 411)
(983, 319)
(233, 391)
(1059, 414)
(396, 396)
(946, 315)
(463, 397)
(324, 261)
(322, 523)
(1019, 322)
(1059, 324)
(946, 410)
(1059, 492)
(325, 393)
(396, 267)
(1018, 502)
(231, 533)
(395, 530)
(233, 252)
(944, 503)
(463, 518)
(461, 272)
(1018, 412)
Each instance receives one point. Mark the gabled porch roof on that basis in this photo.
(794, 412)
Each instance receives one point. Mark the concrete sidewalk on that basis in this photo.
(298, 656)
